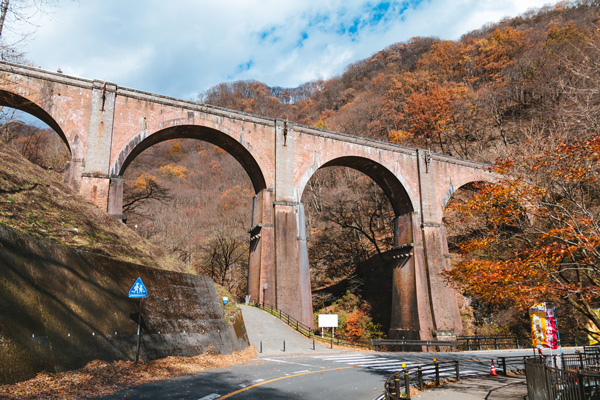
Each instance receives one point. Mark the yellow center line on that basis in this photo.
(280, 378)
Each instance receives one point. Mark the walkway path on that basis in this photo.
(272, 332)
(512, 387)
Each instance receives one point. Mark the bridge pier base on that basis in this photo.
(261, 270)
(411, 310)
(95, 188)
(291, 255)
(278, 273)
(115, 198)
(424, 306)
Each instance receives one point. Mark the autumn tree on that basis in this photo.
(144, 188)
(226, 259)
(543, 239)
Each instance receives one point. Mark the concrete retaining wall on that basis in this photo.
(60, 308)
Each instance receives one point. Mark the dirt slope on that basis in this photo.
(36, 203)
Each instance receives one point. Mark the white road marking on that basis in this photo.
(339, 358)
(254, 382)
(288, 362)
(210, 397)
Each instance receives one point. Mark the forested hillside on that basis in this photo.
(506, 92)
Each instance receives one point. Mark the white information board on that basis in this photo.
(328, 321)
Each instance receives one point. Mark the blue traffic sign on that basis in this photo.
(138, 290)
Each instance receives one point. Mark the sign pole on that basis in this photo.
(138, 291)
(139, 332)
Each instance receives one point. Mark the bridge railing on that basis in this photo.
(495, 342)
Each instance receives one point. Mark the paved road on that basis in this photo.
(303, 373)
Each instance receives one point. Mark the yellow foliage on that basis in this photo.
(173, 170)
(398, 136)
(321, 124)
(143, 181)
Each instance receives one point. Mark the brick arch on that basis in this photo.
(13, 100)
(387, 181)
(485, 177)
(142, 141)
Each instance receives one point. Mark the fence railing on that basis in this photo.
(498, 342)
(413, 345)
(577, 360)
(492, 342)
(545, 382)
(398, 385)
(311, 333)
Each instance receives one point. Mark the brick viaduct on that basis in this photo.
(106, 127)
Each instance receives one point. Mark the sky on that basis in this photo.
(181, 48)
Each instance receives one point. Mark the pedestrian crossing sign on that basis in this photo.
(138, 290)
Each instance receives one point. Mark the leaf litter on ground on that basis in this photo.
(100, 378)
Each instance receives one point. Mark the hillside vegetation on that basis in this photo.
(36, 203)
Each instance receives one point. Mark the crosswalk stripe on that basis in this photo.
(382, 360)
(346, 358)
(394, 365)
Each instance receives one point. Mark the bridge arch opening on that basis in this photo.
(384, 178)
(32, 132)
(17, 102)
(200, 190)
(141, 142)
(352, 204)
(466, 225)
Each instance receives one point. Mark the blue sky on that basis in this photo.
(180, 48)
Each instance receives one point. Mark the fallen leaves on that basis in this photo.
(100, 378)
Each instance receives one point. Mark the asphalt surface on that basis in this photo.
(511, 387)
(300, 372)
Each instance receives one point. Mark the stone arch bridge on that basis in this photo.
(106, 127)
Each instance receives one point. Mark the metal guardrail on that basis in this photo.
(545, 382)
(492, 342)
(416, 345)
(574, 361)
(398, 385)
(498, 342)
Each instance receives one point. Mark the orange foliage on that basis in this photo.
(496, 53)
(356, 325)
(448, 60)
(433, 113)
(544, 238)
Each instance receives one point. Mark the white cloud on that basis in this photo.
(183, 47)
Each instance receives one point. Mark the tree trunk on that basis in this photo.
(3, 14)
